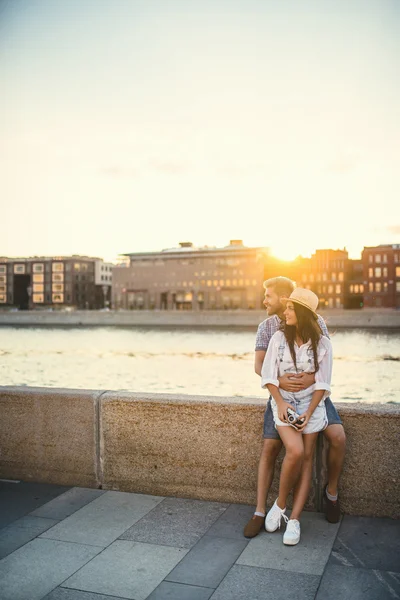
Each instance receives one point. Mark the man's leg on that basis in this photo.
(336, 437)
(269, 453)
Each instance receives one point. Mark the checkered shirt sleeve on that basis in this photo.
(265, 331)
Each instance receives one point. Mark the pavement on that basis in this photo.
(63, 543)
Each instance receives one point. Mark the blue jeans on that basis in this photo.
(271, 433)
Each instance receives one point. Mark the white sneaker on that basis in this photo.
(273, 518)
(291, 537)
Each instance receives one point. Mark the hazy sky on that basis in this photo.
(132, 125)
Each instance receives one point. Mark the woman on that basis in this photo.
(300, 347)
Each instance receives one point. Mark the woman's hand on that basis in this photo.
(282, 410)
(306, 417)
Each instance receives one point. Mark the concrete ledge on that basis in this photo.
(49, 435)
(366, 318)
(186, 446)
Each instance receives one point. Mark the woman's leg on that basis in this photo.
(291, 466)
(302, 489)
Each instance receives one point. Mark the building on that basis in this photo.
(42, 282)
(191, 278)
(381, 272)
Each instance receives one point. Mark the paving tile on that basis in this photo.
(41, 565)
(208, 561)
(103, 520)
(22, 531)
(309, 556)
(65, 594)
(66, 504)
(18, 499)
(368, 542)
(127, 569)
(232, 522)
(348, 583)
(176, 522)
(253, 583)
(180, 591)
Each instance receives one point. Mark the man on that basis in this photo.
(275, 289)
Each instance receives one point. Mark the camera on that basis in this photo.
(293, 418)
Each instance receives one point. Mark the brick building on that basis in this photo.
(42, 282)
(381, 272)
(191, 278)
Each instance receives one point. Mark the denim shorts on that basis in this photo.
(271, 433)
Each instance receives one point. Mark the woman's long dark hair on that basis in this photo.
(308, 328)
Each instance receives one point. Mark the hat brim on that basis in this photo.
(285, 300)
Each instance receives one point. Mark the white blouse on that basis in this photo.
(278, 361)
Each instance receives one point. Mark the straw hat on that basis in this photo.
(305, 298)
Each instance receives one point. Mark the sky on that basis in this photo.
(133, 125)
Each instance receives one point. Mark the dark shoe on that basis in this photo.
(332, 509)
(254, 526)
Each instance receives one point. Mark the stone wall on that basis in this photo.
(188, 446)
(366, 318)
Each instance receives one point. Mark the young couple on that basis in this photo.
(294, 359)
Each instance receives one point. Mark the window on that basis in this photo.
(370, 287)
(338, 289)
(397, 271)
(209, 282)
(385, 271)
(370, 272)
(324, 277)
(361, 289)
(38, 288)
(378, 272)
(58, 298)
(385, 258)
(3, 269)
(385, 286)
(377, 258)
(58, 287)
(341, 276)
(397, 286)
(396, 258)
(3, 278)
(38, 298)
(57, 267)
(19, 269)
(333, 276)
(338, 303)
(77, 267)
(356, 289)
(370, 258)
(378, 286)
(352, 289)
(58, 277)
(3, 299)
(38, 268)
(330, 289)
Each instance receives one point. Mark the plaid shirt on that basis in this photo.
(267, 328)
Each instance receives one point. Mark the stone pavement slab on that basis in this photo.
(310, 556)
(66, 504)
(180, 591)
(65, 594)
(358, 584)
(127, 569)
(34, 570)
(18, 499)
(176, 522)
(208, 561)
(104, 519)
(21, 532)
(368, 543)
(231, 523)
(253, 583)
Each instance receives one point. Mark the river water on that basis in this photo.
(201, 361)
